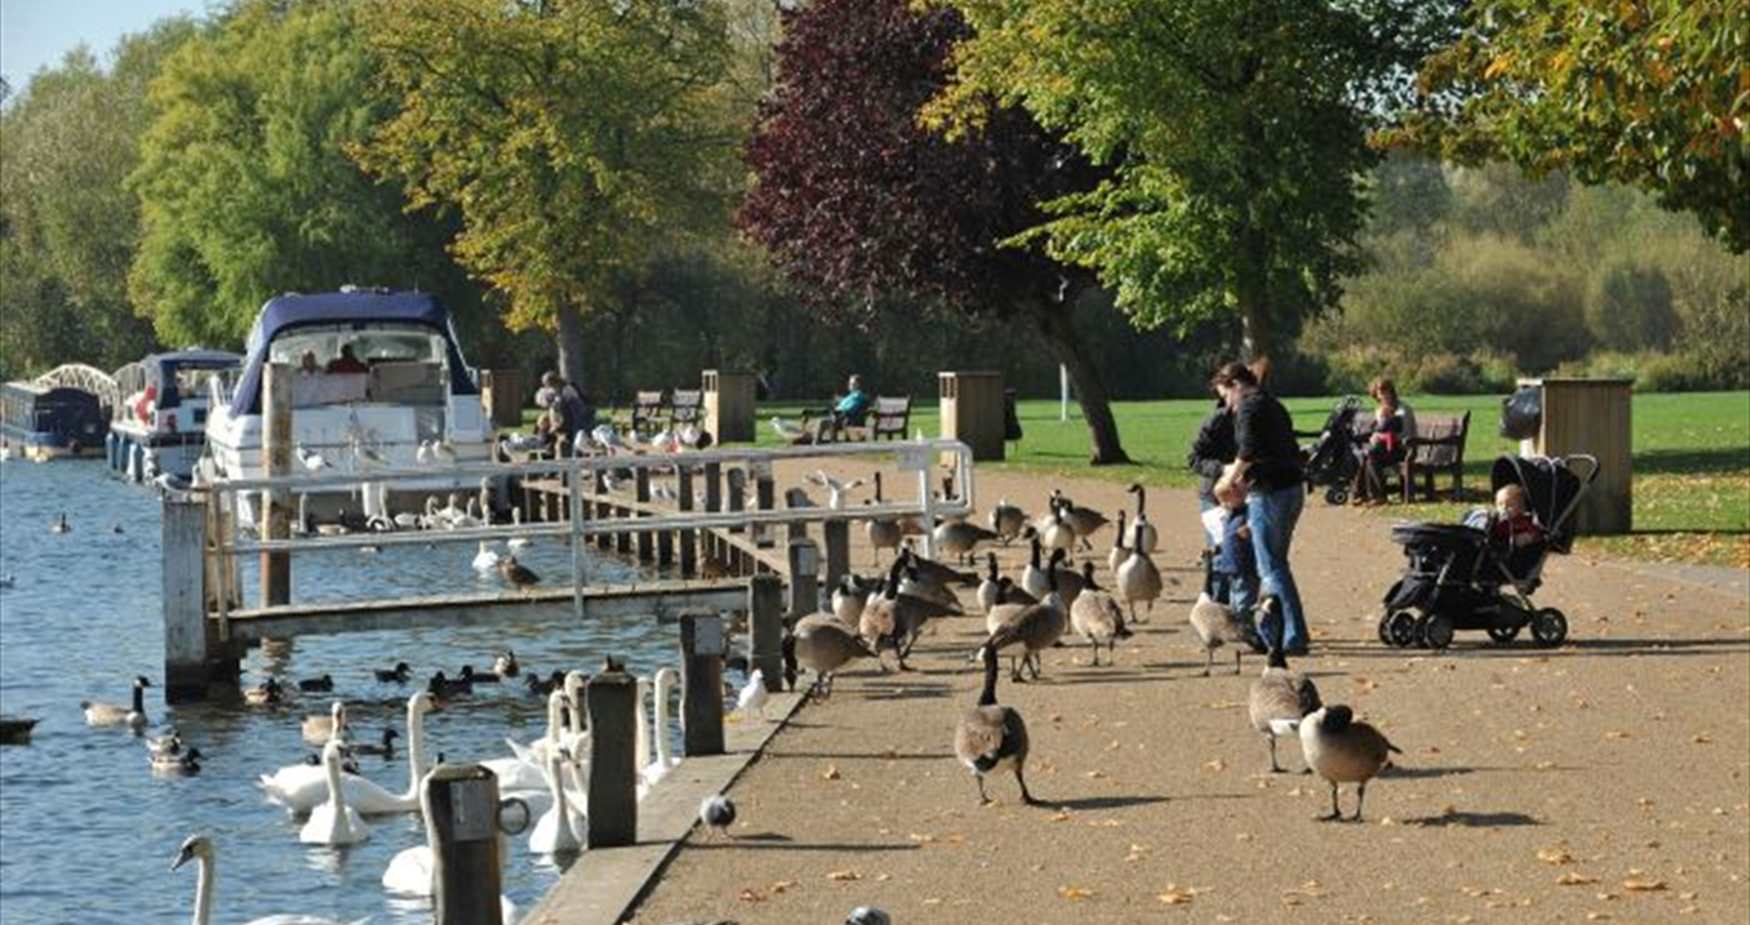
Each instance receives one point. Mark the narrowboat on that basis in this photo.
(160, 424)
(41, 421)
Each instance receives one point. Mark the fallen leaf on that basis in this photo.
(831, 772)
(846, 874)
(1616, 734)
(1556, 855)
(922, 839)
(1643, 885)
(1703, 739)
(782, 885)
(1107, 823)
(752, 896)
(1176, 896)
(1575, 878)
(1214, 764)
(1096, 774)
(1074, 892)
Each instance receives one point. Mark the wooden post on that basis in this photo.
(461, 825)
(646, 541)
(623, 538)
(603, 540)
(613, 774)
(764, 491)
(804, 578)
(665, 547)
(765, 596)
(713, 487)
(276, 462)
(701, 684)
(838, 551)
(193, 654)
(689, 546)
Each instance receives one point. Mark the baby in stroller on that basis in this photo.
(1480, 574)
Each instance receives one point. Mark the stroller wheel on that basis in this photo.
(1337, 495)
(1503, 634)
(1385, 629)
(1399, 628)
(1435, 630)
(1549, 627)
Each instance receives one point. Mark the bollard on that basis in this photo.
(838, 551)
(765, 490)
(276, 462)
(194, 657)
(701, 684)
(689, 538)
(713, 487)
(645, 540)
(613, 771)
(804, 563)
(735, 495)
(765, 639)
(461, 825)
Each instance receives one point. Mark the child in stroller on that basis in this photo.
(1480, 575)
(1331, 461)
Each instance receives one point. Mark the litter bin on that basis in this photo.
(1590, 416)
(501, 394)
(729, 405)
(972, 411)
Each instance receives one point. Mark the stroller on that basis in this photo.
(1458, 578)
(1330, 460)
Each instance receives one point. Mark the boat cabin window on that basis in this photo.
(402, 366)
(192, 382)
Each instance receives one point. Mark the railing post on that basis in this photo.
(804, 578)
(713, 487)
(613, 775)
(645, 540)
(765, 610)
(701, 684)
(579, 562)
(764, 496)
(276, 462)
(838, 551)
(735, 496)
(461, 825)
(689, 544)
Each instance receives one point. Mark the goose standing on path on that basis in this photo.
(199, 848)
(1007, 521)
(1033, 578)
(1279, 698)
(960, 538)
(848, 600)
(114, 714)
(1056, 532)
(1342, 750)
(1096, 617)
(1085, 521)
(1035, 627)
(824, 645)
(882, 532)
(992, 737)
(990, 590)
(1145, 537)
(1138, 580)
(333, 822)
(1216, 625)
(60, 525)
(1119, 553)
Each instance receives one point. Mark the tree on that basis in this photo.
(854, 199)
(1237, 130)
(244, 184)
(572, 137)
(1650, 94)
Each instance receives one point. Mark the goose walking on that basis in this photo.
(824, 645)
(1119, 553)
(990, 589)
(114, 714)
(333, 822)
(1138, 579)
(1096, 617)
(1216, 625)
(1033, 579)
(1145, 536)
(1007, 521)
(848, 600)
(1056, 532)
(1083, 520)
(199, 848)
(1279, 698)
(1341, 749)
(992, 737)
(1034, 628)
(959, 538)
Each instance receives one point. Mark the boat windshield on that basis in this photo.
(191, 381)
(391, 364)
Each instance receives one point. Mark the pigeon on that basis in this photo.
(753, 694)
(718, 813)
(868, 915)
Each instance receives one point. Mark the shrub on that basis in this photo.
(1628, 306)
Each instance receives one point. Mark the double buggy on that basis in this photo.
(1468, 577)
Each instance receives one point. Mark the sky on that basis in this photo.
(36, 33)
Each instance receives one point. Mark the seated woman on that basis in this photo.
(1385, 444)
(848, 412)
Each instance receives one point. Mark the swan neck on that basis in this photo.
(203, 889)
(139, 700)
(415, 750)
(660, 730)
(641, 732)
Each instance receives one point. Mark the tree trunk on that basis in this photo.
(1251, 292)
(570, 340)
(1053, 319)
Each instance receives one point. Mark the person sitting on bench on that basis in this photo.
(850, 411)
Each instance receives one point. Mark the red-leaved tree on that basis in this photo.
(853, 198)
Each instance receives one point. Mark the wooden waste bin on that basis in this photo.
(972, 411)
(1591, 416)
(729, 405)
(501, 394)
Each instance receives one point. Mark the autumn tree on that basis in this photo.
(1653, 94)
(854, 199)
(1237, 132)
(572, 137)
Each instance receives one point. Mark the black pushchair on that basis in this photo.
(1459, 578)
(1331, 462)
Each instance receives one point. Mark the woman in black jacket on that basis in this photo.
(1211, 451)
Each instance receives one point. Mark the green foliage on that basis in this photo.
(1628, 306)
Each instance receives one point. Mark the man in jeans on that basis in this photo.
(1269, 458)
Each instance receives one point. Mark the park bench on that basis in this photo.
(648, 409)
(686, 406)
(887, 418)
(1437, 447)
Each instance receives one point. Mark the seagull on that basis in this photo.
(717, 812)
(367, 454)
(170, 481)
(790, 432)
(753, 694)
(836, 489)
(608, 437)
(423, 454)
(443, 451)
(312, 460)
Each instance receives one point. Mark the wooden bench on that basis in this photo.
(686, 406)
(648, 410)
(887, 419)
(1437, 447)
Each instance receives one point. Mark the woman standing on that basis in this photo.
(1269, 465)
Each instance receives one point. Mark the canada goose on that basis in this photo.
(1143, 534)
(318, 730)
(1069, 582)
(1007, 521)
(316, 685)
(333, 822)
(837, 492)
(1217, 625)
(717, 814)
(1138, 580)
(898, 618)
(516, 573)
(170, 743)
(1118, 554)
(1035, 627)
(199, 849)
(824, 645)
(60, 525)
(1279, 698)
(114, 714)
(1342, 750)
(959, 538)
(505, 664)
(1096, 617)
(848, 600)
(471, 676)
(1009, 593)
(991, 588)
(935, 573)
(1056, 531)
(262, 694)
(1033, 579)
(397, 675)
(991, 737)
(384, 748)
(1084, 521)
(178, 763)
(913, 583)
(882, 532)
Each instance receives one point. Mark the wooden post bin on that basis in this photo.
(501, 394)
(1592, 416)
(729, 405)
(972, 411)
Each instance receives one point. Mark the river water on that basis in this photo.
(87, 832)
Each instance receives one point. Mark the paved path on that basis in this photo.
(1608, 779)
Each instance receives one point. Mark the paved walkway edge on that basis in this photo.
(603, 886)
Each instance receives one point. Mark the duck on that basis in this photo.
(838, 492)
(1216, 625)
(541, 687)
(1033, 627)
(516, 573)
(882, 532)
(267, 692)
(991, 588)
(397, 675)
(1096, 617)
(199, 848)
(177, 764)
(471, 676)
(1084, 521)
(15, 730)
(301, 787)
(333, 822)
(485, 559)
(60, 525)
(959, 538)
(384, 750)
(505, 665)
(1138, 579)
(1119, 552)
(1033, 579)
(1279, 699)
(991, 737)
(560, 829)
(1007, 521)
(317, 730)
(440, 685)
(1144, 534)
(1341, 749)
(824, 645)
(316, 685)
(114, 714)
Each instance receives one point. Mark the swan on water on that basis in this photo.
(652, 771)
(199, 848)
(525, 770)
(518, 542)
(301, 787)
(333, 822)
(486, 560)
(559, 830)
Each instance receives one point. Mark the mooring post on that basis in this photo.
(764, 496)
(689, 545)
(613, 774)
(701, 684)
(838, 551)
(735, 493)
(804, 579)
(765, 638)
(713, 487)
(276, 462)
(646, 542)
(604, 539)
(461, 826)
(193, 654)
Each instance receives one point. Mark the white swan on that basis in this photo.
(486, 560)
(518, 542)
(200, 849)
(334, 822)
(557, 831)
(653, 771)
(524, 771)
(411, 870)
(301, 787)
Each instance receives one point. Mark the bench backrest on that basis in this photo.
(686, 405)
(891, 415)
(1451, 428)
